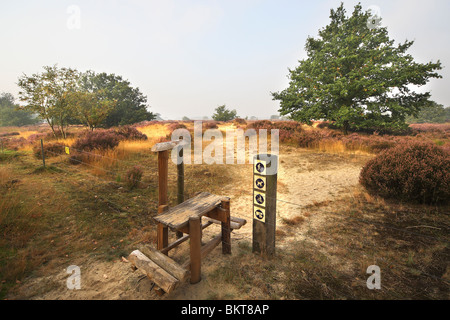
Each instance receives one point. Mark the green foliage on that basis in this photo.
(130, 104)
(431, 113)
(356, 76)
(11, 115)
(223, 114)
(47, 94)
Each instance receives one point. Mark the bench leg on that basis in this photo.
(162, 237)
(195, 236)
(226, 228)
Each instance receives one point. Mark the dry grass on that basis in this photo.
(50, 217)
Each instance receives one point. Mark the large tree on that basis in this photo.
(131, 105)
(47, 94)
(11, 115)
(356, 76)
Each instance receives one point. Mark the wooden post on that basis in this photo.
(265, 169)
(226, 227)
(43, 154)
(180, 184)
(195, 248)
(162, 235)
(163, 175)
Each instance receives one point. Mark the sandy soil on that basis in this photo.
(304, 178)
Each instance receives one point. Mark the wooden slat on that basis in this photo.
(168, 264)
(178, 216)
(158, 275)
(182, 239)
(234, 225)
(164, 146)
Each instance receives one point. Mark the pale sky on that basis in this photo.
(188, 57)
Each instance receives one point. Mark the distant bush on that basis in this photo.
(133, 177)
(174, 126)
(51, 149)
(130, 133)
(9, 134)
(412, 171)
(210, 125)
(97, 140)
(239, 121)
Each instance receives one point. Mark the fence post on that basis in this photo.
(180, 183)
(265, 167)
(195, 236)
(43, 154)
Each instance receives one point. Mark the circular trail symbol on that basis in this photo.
(260, 167)
(259, 214)
(259, 199)
(260, 183)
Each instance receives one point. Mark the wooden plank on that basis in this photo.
(178, 216)
(240, 221)
(165, 146)
(182, 239)
(158, 275)
(233, 224)
(168, 264)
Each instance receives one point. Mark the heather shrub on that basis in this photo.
(240, 121)
(130, 133)
(51, 149)
(210, 125)
(14, 143)
(97, 140)
(77, 158)
(133, 177)
(261, 124)
(174, 126)
(412, 172)
(9, 134)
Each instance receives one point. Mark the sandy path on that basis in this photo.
(304, 178)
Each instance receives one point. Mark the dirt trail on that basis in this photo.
(304, 178)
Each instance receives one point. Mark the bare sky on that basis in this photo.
(190, 56)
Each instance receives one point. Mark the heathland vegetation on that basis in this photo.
(364, 180)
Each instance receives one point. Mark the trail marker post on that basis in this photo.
(265, 168)
(43, 154)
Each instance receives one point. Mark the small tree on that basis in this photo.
(47, 95)
(223, 114)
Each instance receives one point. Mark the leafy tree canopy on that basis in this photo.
(356, 76)
(130, 104)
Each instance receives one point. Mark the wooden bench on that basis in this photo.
(186, 218)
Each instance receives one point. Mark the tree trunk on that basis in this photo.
(346, 127)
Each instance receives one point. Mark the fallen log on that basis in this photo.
(157, 274)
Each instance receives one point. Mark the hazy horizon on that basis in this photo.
(190, 57)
